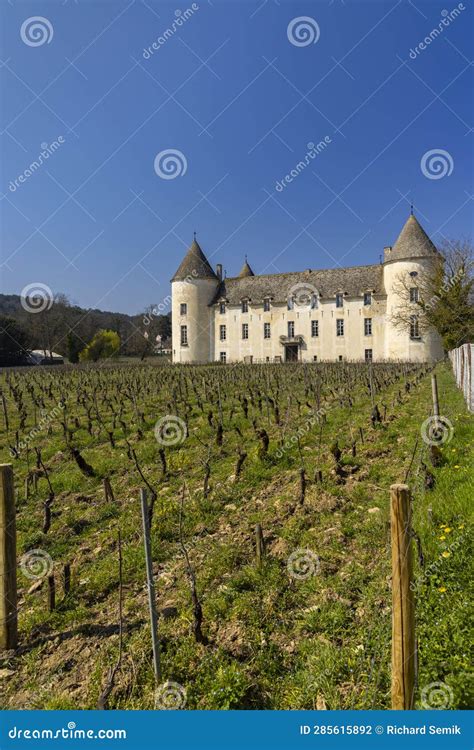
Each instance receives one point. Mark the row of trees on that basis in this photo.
(76, 333)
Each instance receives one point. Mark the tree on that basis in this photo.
(74, 347)
(444, 296)
(14, 342)
(105, 344)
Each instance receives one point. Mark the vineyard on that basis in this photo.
(267, 490)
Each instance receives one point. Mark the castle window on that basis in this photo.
(339, 299)
(183, 308)
(414, 294)
(245, 330)
(339, 327)
(414, 327)
(368, 327)
(266, 305)
(184, 335)
(222, 333)
(368, 355)
(367, 298)
(315, 357)
(314, 328)
(222, 308)
(290, 304)
(314, 301)
(223, 357)
(291, 329)
(245, 306)
(340, 358)
(266, 331)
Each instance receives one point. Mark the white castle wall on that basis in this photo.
(326, 346)
(197, 294)
(398, 344)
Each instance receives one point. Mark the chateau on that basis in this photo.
(329, 315)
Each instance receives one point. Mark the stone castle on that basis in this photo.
(328, 315)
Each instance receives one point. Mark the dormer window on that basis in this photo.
(367, 298)
(414, 294)
(183, 308)
(290, 304)
(339, 299)
(314, 301)
(266, 305)
(222, 308)
(245, 305)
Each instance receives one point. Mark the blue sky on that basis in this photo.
(233, 93)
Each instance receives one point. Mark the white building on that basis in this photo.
(333, 314)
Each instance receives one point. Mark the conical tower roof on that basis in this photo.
(412, 242)
(194, 265)
(245, 270)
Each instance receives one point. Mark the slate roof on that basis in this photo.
(246, 270)
(279, 286)
(412, 242)
(194, 265)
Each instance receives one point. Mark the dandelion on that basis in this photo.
(446, 554)
(442, 538)
(456, 466)
(442, 589)
(447, 530)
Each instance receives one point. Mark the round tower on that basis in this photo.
(193, 287)
(405, 265)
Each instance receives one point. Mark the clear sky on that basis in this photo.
(239, 89)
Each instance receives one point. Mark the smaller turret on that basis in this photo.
(246, 270)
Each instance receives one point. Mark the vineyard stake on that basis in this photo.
(8, 589)
(259, 545)
(151, 587)
(403, 609)
(434, 391)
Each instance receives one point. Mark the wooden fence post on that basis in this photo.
(403, 609)
(8, 590)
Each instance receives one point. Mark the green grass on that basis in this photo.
(275, 641)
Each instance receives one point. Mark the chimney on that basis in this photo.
(219, 271)
(386, 252)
